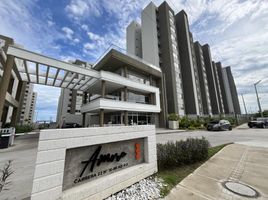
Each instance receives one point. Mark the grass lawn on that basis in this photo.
(175, 175)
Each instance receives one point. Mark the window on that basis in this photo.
(170, 13)
(138, 98)
(172, 30)
(173, 38)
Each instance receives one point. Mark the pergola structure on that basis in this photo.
(39, 69)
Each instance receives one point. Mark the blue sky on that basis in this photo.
(237, 31)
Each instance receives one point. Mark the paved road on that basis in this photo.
(240, 134)
(23, 156)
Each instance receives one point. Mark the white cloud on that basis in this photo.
(78, 9)
(123, 11)
(94, 36)
(69, 34)
(50, 23)
(84, 27)
(89, 46)
(18, 22)
(100, 44)
(76, 40)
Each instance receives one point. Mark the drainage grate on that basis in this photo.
(241, 189)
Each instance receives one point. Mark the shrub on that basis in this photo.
(206, 120)
(23, 128)
(184, 122)
(182, 152)
(231, 120)
(191, 127)
(173, 117)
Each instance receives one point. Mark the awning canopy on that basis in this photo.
(115, 59)
(39, 69)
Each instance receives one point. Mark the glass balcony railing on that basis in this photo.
(117, 98)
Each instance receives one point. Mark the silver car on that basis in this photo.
(219, 125)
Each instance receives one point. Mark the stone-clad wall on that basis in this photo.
(48, 176)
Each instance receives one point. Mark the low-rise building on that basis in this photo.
(127, 93)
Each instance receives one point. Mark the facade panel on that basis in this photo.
(206, 105)
(134, 40)
(211, 80)
(149, 35)
(233, 90)
(169, 57)
(218, 88)
(187, 66)
(222, 87)
(28, 105)
(228, 91)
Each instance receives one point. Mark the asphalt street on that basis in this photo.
(240, 134)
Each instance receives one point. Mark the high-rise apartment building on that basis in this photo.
(230, 90)
(196, 77)
(160, 47)
(69, 106)
(211, 80)
(28, 105)
(222, 87)
(134, 45)
(149, 34)
(206, 104)
(169, 59)
(189, 81)
(32, 107)
(192, 81)
(217, 85)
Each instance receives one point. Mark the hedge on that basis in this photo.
(182, 152)
(23, 128)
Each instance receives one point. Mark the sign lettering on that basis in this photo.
(101, 159)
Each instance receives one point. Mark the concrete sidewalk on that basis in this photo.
(247, 164)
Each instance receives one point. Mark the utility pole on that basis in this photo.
(36, 116)
(244, 105)
(258, 100)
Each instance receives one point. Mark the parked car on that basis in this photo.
(71, 125)
(219, 125)
(257, 124)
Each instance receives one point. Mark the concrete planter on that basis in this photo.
(173, 125)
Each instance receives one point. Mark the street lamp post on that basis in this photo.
(244, 105)
(258, 100)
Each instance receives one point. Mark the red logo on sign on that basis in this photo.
(137, 151)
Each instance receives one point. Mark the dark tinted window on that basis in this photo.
(214, 122)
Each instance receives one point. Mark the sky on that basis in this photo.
(236, 30)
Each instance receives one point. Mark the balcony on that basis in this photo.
(117, 105)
